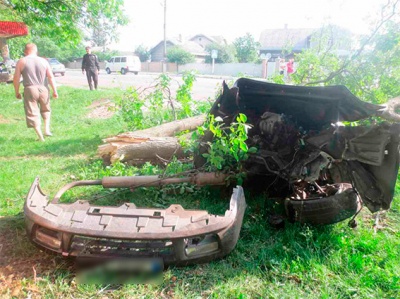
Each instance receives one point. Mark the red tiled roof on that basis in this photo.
(12, 29)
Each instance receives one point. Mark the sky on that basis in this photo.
(232, 19)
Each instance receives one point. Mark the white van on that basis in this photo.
(124, 64)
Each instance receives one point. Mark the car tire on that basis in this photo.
(327, 210)
(62, 74)
(108, 71)
(123, 71)
(136, 73)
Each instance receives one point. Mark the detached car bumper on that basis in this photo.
(176, 235)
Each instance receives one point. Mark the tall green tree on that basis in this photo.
(143, 52)
(226, 53)
(179, 55)
(103, 32)
(63, 21)
(246, 48)
(371, 71)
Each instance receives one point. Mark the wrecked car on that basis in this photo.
(322, 172)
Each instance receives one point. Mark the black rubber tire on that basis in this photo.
(326, 210)
(123, 71)
(108, 71)
(136, 73)
(62, 74)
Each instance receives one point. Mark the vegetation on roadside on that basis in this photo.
(179, 55)
(149, 106)
(64, 23)
(247, 48)
(227, 148)
(370, 70)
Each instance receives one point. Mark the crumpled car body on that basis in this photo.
(324, 171)
(321, 171)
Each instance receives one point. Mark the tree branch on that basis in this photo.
(365, 43)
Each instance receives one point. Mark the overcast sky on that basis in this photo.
(232, 19)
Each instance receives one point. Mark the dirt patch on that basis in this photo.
(3, 120)
(102, 109)
(23, 266)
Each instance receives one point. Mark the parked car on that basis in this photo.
(7, 66)
(319, 170)
(124, 64)
(56, 66)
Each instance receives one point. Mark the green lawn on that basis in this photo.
(297, 262)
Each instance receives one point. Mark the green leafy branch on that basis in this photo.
(228, 148)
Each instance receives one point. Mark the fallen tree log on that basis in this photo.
(155, 145)
(139, 150)
(168, 129)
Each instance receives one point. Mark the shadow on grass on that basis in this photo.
(67, 147)
(263, 256)
(22, 265)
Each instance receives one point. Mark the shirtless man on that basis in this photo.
(34, 71)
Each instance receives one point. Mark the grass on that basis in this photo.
(297, 262)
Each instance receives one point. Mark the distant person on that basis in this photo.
(290, 68)
(90, 64)
(34, 71)
(282, 66)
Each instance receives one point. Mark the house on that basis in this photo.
(204, 40)
(285, 42)
(157, 52)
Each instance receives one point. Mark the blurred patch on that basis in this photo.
(120, 271)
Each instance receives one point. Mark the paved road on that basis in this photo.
(203, 87)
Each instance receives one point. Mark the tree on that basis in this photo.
(106, 55)
(47, 47)
(103, 32)
(371, 71)
(62, 20)
(179, 55)
(226, 53)
(246, 48)
(143, 53)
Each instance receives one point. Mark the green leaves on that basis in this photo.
(143, 52)
(145, 107)
(184, 96)
(63, 20)
(228, 149)
(179, 55)
(371, 72)
(246, 48)
(226, 53)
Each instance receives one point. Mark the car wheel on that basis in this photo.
(123, 71)
(136, 73)
(327, 210)
(62, 74)
(108, 71)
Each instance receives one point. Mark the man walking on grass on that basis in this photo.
(34, 71)
(90, 64)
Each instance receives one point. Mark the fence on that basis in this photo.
(220, 69)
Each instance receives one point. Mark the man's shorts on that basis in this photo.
(36, 103)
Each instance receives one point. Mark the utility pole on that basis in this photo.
(165, 36)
